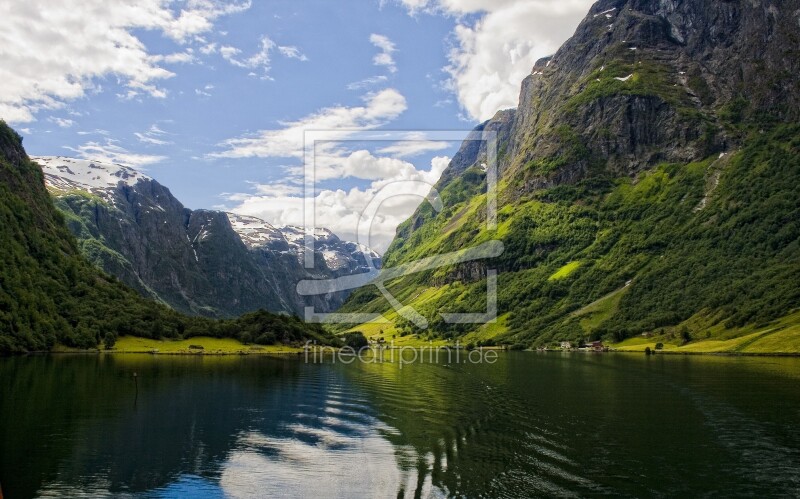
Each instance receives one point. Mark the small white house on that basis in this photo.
(566, 345)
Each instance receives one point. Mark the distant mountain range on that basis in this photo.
(198, 262)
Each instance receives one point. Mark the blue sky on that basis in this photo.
(210, 97)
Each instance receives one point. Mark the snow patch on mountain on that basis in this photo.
(254, 232)
(64, 175)
(68, 174)
(337, 254)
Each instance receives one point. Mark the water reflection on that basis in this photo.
(528, 425)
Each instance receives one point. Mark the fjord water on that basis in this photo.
(528, 425)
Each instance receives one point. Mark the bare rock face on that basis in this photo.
(198, 262)
(644, 82)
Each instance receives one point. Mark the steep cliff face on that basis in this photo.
(48, 292)
(646, 82)
(198, 262)
(656, 138)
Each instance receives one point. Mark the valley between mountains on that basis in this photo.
(647, 196)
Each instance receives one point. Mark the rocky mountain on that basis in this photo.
(198, 262)
(647, 184)
(50, 294)
(340, 257)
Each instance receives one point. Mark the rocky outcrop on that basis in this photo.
(645, 82)
(198, 262)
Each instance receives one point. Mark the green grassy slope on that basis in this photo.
(712, 247)
(618, 213)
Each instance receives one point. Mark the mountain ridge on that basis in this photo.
(624, 169)
(200, 262)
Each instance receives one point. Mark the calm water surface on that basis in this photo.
(528, 425)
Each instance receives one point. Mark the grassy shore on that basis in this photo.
(210, 346)
(779, 338)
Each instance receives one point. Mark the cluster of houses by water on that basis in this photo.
(592, 346)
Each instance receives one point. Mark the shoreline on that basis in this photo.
(299, 352)
(676, 353)
(717, 354)
(171, 354)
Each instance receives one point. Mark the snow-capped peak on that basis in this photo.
(70, 174)
(294, 232)
(338, 254)
(253, 231)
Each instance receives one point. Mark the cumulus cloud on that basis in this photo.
(496, 43)
(387, 47)
(198, 16)
(111, 152)
(186, 57)
(337, 163)
(55, 51)
(287, 142)
(343, 210)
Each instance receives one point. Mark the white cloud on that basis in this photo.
(208, 48)
(55, 51)
(205, 91)
(385, 57)
(415, 143)
(333, 163)
(491, 56)
(111, 152)
(97, 131)
(341, 211)
(151, 140)
(367, 82)
(198, 15)
(229, 53)
(176, 58)
(378, 109)
(292, 53)
(261, 59)
(153, 136)
(62, 122)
